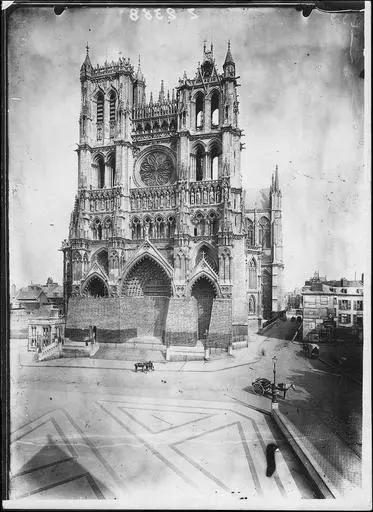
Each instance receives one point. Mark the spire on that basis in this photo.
(277, 182)
(139, 75)
(228, 57)
(86, 66)
(161, 92)
(151, 99)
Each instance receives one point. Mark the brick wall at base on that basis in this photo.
(181, 325)
(116, 319)
(220, 332)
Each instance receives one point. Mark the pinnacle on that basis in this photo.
(228, 57)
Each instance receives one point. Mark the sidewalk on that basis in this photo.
(240, 357)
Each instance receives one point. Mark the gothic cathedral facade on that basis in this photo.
(160, 209)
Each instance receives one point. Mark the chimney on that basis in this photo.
(362, 277)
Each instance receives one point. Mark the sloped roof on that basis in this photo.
(29, 293)
(54, 292)
(259, 199)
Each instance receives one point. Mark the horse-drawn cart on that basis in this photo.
(262, 386)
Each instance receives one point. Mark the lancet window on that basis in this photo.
(264, 233)
(250, 233)
(199, 110)
(215, 109)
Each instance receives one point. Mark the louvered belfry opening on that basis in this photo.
(100, 108)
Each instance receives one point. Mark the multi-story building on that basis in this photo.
(337, 304)
(161, 211)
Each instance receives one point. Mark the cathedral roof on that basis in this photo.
(259, 199)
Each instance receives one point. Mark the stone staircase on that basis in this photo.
(142, 348)
(73, 349)
(186, 352)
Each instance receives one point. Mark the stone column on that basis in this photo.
(207, 115)
(207, 170)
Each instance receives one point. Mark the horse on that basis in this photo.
(284, 387)
(141, 366)
(144, 366)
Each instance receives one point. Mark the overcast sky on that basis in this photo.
(301, 107)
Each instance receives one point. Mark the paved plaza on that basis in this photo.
(186, 435)
(107, 434)
(151, 452)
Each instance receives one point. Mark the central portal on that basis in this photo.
(147, 278)
(204, 292)
(149, 286)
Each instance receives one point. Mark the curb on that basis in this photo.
(165, 369)
(325, 487)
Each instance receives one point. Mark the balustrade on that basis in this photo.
(101, 199)
(209, 192)
(157, 198)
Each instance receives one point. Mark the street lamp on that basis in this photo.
(274, 387)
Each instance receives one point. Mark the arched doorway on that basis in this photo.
(147, 278)
(96, 287)
(204, 292)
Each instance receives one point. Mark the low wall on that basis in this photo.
(181, 324)
(116, 319)
(220, 332)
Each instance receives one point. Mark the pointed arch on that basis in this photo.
(215, 108)
(209, 253)
(204, 275)
(95, 286)
(111, 167)
(112, 108)
(146, 276)
(250, 232)
(100, 100)
(102, 258)
(199, 109)
(98, 166)
(136, 228)
(264, 233)
(96, 227)
(198, 161)
(215, 159)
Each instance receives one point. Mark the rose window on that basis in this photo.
(156, 169)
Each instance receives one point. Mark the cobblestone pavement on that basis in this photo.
(326, 408)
